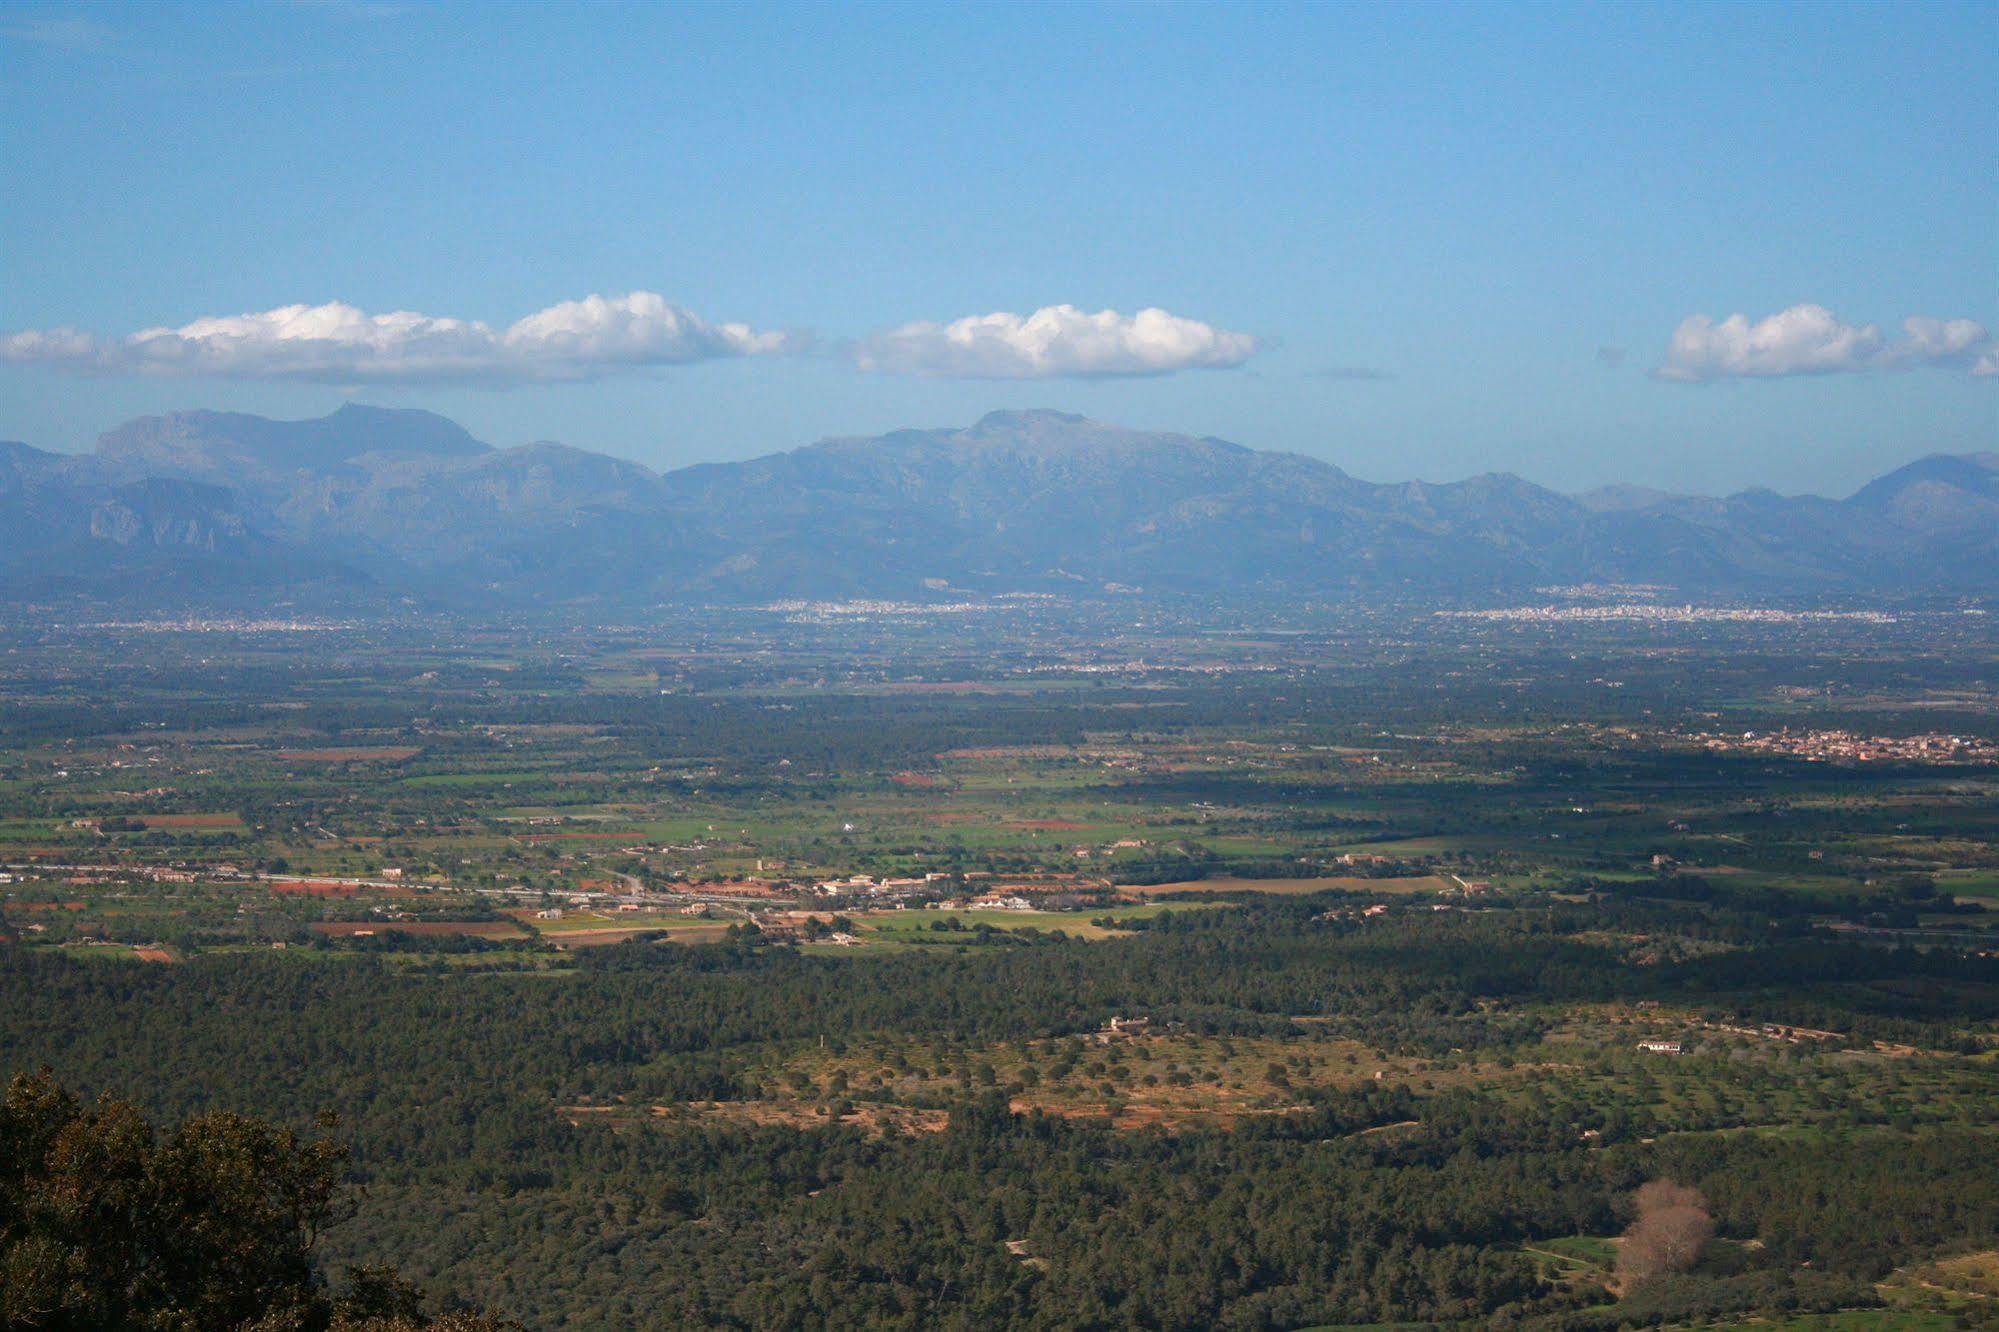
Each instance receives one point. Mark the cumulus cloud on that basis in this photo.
(1811, 340)
(1942, 340)
(336, 343)
(1056, 341)
(339, 344)
(60, 345)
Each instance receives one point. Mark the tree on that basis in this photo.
(108, 1225)
(1670, 1233)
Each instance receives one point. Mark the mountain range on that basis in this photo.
(214, 506)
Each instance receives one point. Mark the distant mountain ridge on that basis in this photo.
(409, 502)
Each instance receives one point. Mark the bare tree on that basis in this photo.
(1670, 1233)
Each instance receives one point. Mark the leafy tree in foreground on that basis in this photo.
(108, 1225)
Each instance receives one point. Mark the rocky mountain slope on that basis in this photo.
(408, 502)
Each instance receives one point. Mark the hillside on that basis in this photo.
(407, 502)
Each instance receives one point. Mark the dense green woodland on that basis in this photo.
(1401, 1083)
(446, 1085)
(108, 1224)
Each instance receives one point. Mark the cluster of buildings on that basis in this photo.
(1667, 614)
(991, 902)
(225, 625)
(1123, 1029)
(1846, 747)
(867, 886)
(799, 611)
(1354, 912)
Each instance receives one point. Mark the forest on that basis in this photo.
(1354, 973)
(1353, 1204)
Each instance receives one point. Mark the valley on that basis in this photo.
(659, 944)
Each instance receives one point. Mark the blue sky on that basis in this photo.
(1414, 240)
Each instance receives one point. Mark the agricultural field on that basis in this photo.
(751, 795)
(879, 951)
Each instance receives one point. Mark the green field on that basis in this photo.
(1330, 1005)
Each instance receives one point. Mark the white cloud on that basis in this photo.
(339, 344)
(1940, 340)
(1056, 341)
(48, 344)
(1811, 340)
(336, 343)
(640, 329)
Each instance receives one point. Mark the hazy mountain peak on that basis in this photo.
(14, 451)
(205, 442)
(22, 463)
(1496, 483)
(1044, 431)
(1018, 500)
(1027, 418)
(1977, 473)
(409, 426)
